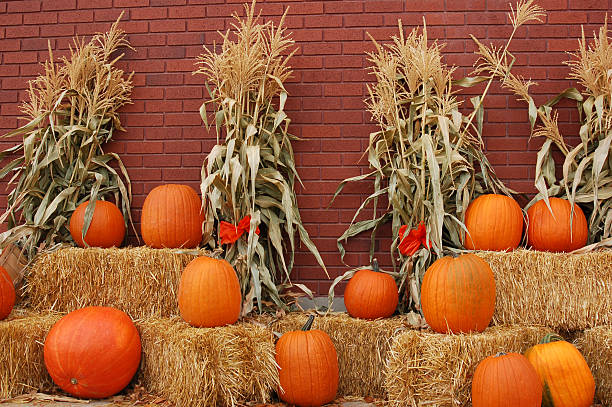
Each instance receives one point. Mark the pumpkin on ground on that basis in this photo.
(7, 293)
(557, 231)
(209, 293)
(565, 375)
(107, 227)
(371, 294)
(308, 367)
(172, 217)
(458, 294)
(506, 380)
(93, 352)
(493, 222)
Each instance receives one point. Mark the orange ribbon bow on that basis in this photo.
(410, 243)
(230, 233)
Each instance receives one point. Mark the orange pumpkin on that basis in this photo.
(172, 217)
(565, 375)
(506, 380)
(209, 293)
(93, 352)
(107, 227)
(494, 222)
(556, 231)
(7, 293)
(458, 294)
(308, 367)
(371, 294)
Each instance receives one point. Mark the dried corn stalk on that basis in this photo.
(73, 110)
(251, 171)
(428, 157)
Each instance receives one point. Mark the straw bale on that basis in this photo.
(596, 346)
(141, 281)
(559, 290)
(426, 368)
(207, 366)
(362, 347)
(22, 368)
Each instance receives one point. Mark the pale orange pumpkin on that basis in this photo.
(106, 229)
(565, 374)
(493, 222)
(308, 367)
(557, 231)
(172, 217)
(458, 294)
(209, 293)
(506, 380)
(371, 294)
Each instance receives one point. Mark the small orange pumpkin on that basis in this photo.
(93, 352)
(172, 217)
(7, 293)
(506, 380)
(371, 294)
(308, 367)
(556, 231)
(107, 227)
(494, 222)
(458, 294)
(565, 375)
(209, 293)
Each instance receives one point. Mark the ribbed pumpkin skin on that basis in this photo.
(506, 381)
(494, 222)
(371, 295)
(172, 217)
(7, 294)
(93, 352)
(209, 293)
(567, 379)
(308, 368)
(107, 227)
(458, 294)
(553, 234)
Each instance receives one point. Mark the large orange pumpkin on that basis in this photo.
(494, 222)
(93, 352)
(209, 293)
(172, 217)
(7, 293)
(308, 367)
(506, 380)
(107, 227)
(556, 231)
(458, 294)
(371, 294)
(565, 375)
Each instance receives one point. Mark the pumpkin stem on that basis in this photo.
(375, 266)
(552, 337)
(498, 354)
(308, 323)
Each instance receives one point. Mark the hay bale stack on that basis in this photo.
(596, 346)
(559, 290)
(141, 281)
(362, 348)
(207, 366)
(22, 368)
(426, 368)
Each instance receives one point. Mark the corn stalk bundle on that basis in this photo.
(72, 110)
(587, 167)
(427, 158)
(251, 171)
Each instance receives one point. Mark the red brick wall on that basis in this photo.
(165, 141)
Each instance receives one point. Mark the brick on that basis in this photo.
(40, 18)
(164, 79)
(424, 5)
(22, 32)
(185, 39)
(81, 4)
(568, 17)
(10, 45)
(307, 8)
(110, 15)
(183, 146)
(59, 5)
(167, 26)
(323, 21)
(20, 57)
(187, 12)
(165, 160)
(56, 31)
(344, 7)
(131, 3)
(23, 6)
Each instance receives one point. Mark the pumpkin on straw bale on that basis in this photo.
(426, 368)
(140, 281)
(73, 110)
(596, 346)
